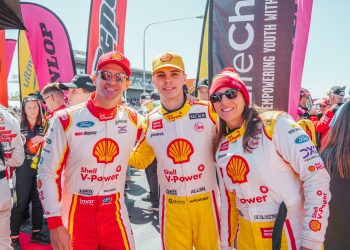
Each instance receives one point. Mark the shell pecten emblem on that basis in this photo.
(315, 225)
(117, 56)
(237, 169)
(105, 150)
(166, 57)
(180, 151)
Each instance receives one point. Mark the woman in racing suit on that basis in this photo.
(273, 184)
(26, 184)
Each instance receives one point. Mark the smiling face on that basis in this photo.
(109, 92)
(230, 110)
(169, 82)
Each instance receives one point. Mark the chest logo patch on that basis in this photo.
(180, 151)
(237, 169)
(105, 150)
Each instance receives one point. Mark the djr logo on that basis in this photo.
(309, 151)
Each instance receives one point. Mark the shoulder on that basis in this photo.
(270, 118)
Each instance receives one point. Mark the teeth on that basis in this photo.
(227, 109)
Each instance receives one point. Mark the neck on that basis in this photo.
(32, 121)
(235, 124)
(106, 104)
(172, 104)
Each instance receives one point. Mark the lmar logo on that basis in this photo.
(237, 169)
(105, 150)
(180, 151)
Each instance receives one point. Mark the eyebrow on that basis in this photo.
(172, 71)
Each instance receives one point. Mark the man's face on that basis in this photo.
(77, 96)
(49, 99)
(169, 82)
(110, 90)
(337, 98)
(302, 101)
(203, 93)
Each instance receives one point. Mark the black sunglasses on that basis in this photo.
(118, 77)
(230, 94)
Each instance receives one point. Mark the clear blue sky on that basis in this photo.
(327, 57)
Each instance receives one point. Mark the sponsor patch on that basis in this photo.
(122, 129)
(266, 232)
(86, 192)
(157, 124)
(301, 139)
(224, 146)
(85, 124)
(194, 116)
(198, 127)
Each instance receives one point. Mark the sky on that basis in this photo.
(327, 55)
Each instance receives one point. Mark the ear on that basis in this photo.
(94, 78)
(127, 84)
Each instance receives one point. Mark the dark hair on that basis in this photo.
(2, 154)
(252, 119)
(24, 119)
(335, 150)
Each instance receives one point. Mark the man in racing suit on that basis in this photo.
(180, 136)
(11, 154)
(89, 145)
(285, 167)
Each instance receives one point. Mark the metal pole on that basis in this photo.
(144, 43)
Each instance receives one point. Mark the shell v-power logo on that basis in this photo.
(180, 151)
(105, 150)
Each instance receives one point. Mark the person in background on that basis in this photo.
(335, 153)
(26, 177)
(303, 111)
(11, 154)
(203, 89)
(53, 97)
(79, 89)
(272, 180)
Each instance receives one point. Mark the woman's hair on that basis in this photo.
(335, 150)
(252, 131)
(24, 119)
(2, 154)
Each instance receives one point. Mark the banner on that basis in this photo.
(10, 49)
(106, 30)
(27, 78)
(302, 19)
(49, 44)
(255, 38)
(3, 75)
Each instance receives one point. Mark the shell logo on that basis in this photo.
(180, 151)
(315, 225)
(312, 169)
(166, 57)
(40, 184)
(105, 150)
(237, 169)
(117, 56)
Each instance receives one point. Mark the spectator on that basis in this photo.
(79, 89)
(11, 154)
(303, 111)
(53, 97)
(26, 177)
(335, 152)
(203, 89)
(271, 177)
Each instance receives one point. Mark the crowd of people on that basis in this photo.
(222, 173)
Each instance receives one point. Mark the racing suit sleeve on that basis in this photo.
(322, 125)
(301, 155)
(14, 153)
(143, 154)
(228, 214)
(53, 158)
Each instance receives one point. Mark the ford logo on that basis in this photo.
(301, 139)
(85, 124)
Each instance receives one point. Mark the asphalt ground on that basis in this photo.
(144, 222)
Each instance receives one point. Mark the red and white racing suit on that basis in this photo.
(11, 141)
(285, 167)
(89, 147)
(182, 142)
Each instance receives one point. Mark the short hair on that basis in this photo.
(52, 88)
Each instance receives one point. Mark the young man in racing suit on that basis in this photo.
(180, 136)
(11, 154)
(89, 145)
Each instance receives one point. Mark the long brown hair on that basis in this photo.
(24, 119)
(335, 150)
(252, 131)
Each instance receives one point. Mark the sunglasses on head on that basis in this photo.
(230, 94)
(118, 77)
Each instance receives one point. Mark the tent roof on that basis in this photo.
(10, 15)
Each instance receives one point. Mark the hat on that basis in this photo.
(115, 57)
(83, 81)
(203, 83)
(167, 60)
(229, 78)
(155, 96)
(304, 92)
(323, 102)
(337, 90)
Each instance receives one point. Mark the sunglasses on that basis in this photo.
(323, 106)
(230, 94)
(107, 76)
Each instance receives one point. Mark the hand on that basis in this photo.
(37, 139)
(313, 111)
(60, 239)
(191, 99)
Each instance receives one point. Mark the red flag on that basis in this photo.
(106, 30)
(10, 49)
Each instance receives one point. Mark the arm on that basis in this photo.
(299, 152)
(322, 125)
(53, 157)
